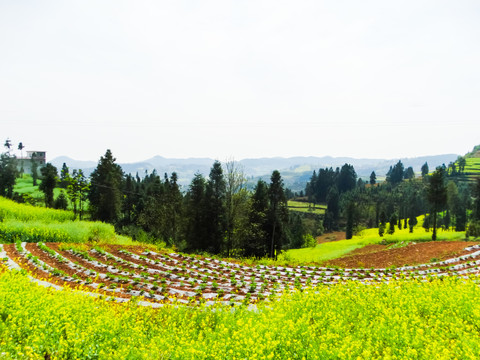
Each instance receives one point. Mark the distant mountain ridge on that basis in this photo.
(296, 171)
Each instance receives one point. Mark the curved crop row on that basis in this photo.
(133, 271)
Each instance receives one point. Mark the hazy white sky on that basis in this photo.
(377, 79)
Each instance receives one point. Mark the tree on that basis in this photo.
(8, 174)
(393, 221)
(64, 174)
(476, 203)
(296, 231)
(129, 200)
(333, 210)
(215, 195)
(373, 178)
(409, 173)
(462, 162)
(195, 232)
(83, 190)
(396, 175)
(61, 201)
(453, 201)
(21, 147)
(49, 181)
(105, 193)
(278, 213)
(436, 195)
(235, 182)
(77, 191)
(153, 215)
(8, 145)
(34, 168)
(174, 209)
(425, 170)
(350, 220)
(256, 240)
(347, 178)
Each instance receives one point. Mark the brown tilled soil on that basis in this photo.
(333, 236)
(379, 256)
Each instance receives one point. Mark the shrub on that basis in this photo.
(473, 229)
(381, 230)
(309, 241)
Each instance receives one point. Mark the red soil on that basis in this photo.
(379, 256)
(332, 236)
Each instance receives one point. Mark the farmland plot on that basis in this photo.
(126, 272)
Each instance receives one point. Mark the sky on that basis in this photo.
(240, 79)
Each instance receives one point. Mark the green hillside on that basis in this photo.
(22, 222)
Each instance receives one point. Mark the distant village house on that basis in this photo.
(25, 163)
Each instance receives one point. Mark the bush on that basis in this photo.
(309, 241)
(381, 230)
(473, 229)
(61, 202)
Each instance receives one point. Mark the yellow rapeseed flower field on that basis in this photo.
(437, 319)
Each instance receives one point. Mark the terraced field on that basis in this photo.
(126, 272)
(473, 166)
(306, 207)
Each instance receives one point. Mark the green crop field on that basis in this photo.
(472, 166)
(24, 186)
(21, 222)
(306, 207)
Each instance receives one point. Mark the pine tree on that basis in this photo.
(64, 175)
(347, 179)
(396, 175)
(350, 216)
(215, 208)
(424, 170)
(195, 230)
(436, 195)
(257, 241)
(105, 193)
(278, 213)
(49, 181)
(174, 209)
(333, 209)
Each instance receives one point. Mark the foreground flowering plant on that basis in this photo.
(123, 273)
